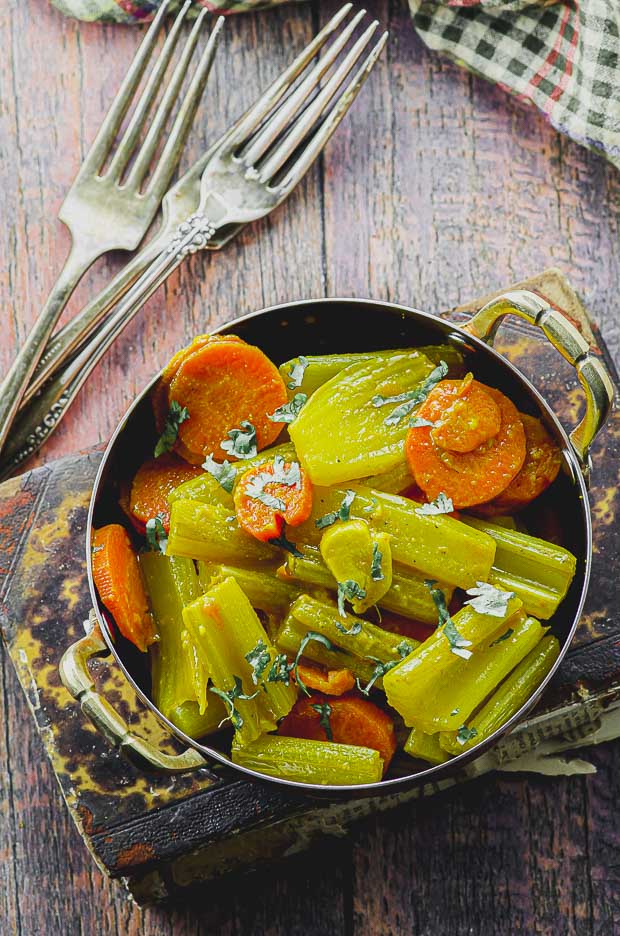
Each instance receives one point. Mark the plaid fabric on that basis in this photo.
(563, 56)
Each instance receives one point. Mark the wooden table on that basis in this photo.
(437, 187)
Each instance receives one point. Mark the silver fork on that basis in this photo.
(103, 210)
(245, 175)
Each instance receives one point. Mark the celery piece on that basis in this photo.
(304, 761)
(534, 566)
(407, 595)
(410, 686)
(179, 672)
(209, 532)
(341, 434)
(188, 719)
(226, 629)
(364, 644)
(507, 698)
(438, 547)
(468, 683)
(354, 555)
(265, 590)
(425, 746)
(206, 489)
(319, 368)
(394, 481)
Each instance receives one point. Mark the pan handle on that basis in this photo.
(76, 677)
(563, 335)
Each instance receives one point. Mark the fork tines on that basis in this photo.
(281, 135)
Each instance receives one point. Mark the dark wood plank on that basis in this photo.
(437, 186)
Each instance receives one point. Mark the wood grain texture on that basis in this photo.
(437, 186)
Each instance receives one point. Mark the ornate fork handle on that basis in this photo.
(37, 422)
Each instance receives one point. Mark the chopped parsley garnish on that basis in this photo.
(349, 590)
(374, 503)
(378, 672)
(297, 371)
(455, 711)
(416, 422)
(505, 636)
(457, 643)
(376, 571)
(224, 473)
(156, 534)
(489, 600)
(465, 734)
(290, 477)
(310, 635)
(259, 659)
(441, 505)
(280, 670)
(241, 443)
(177, 414)
(286, 544)
(288, 412)
(229, 697)
(343, 512)
(353, 631)
(404, 648)
(411, 398)
(325, 711)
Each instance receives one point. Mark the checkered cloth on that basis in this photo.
(561, 55)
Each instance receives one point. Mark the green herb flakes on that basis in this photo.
(229, 698)
(296, 372)
(465, 734)
(325, 711)
(177, 415)
(224, 473)
(283, 543)
(411, 398)
(458, 644)
(156, 534)
(290, 477)
(505, 636)
(241, 443)
(280, 670)
(441, 505)
(288, 412)
(378, 672)
(343, 513)
(489, 600)
(404, 648)
(376, 571)
(310, 636)
(348, 590)
(259, 659)
(416, 422)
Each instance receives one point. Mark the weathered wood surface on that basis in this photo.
(437, 187)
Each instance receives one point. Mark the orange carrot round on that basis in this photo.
(542, 463)
(152, 484)
(470, 477)
(271, 494)
(471, 416)
(118, 580)
(224, 382)
(333, 682)
(352, 721)
(159, 396)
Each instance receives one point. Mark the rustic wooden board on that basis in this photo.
(437, 187)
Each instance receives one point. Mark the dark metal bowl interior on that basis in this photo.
(338, 325)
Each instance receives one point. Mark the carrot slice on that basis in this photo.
(352, 721)
(333, 682)
(471, 416)
(542, 463)
(159, 396)
(154, 480)
(223, 383)
(472, 477)
(118, 580)
(271, 494)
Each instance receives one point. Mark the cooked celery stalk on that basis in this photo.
(354, 555)
(532, 564)
(206, 489)
(265, 591)
(507, 699)
(320, 368)
(226, 629)
(189, 720)
(179, 672)
(306, 761)
(407, 595)
(438, 547)
(460, 691)
(209, 532)
(425, 746)
(394, 481)
(410, 687)
(340, 435)
(364, 645)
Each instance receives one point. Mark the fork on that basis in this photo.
(111, 207)
(246, 174)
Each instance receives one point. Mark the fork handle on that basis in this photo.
(16, 381)
(43, 414)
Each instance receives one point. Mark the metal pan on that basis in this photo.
(338, 325)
